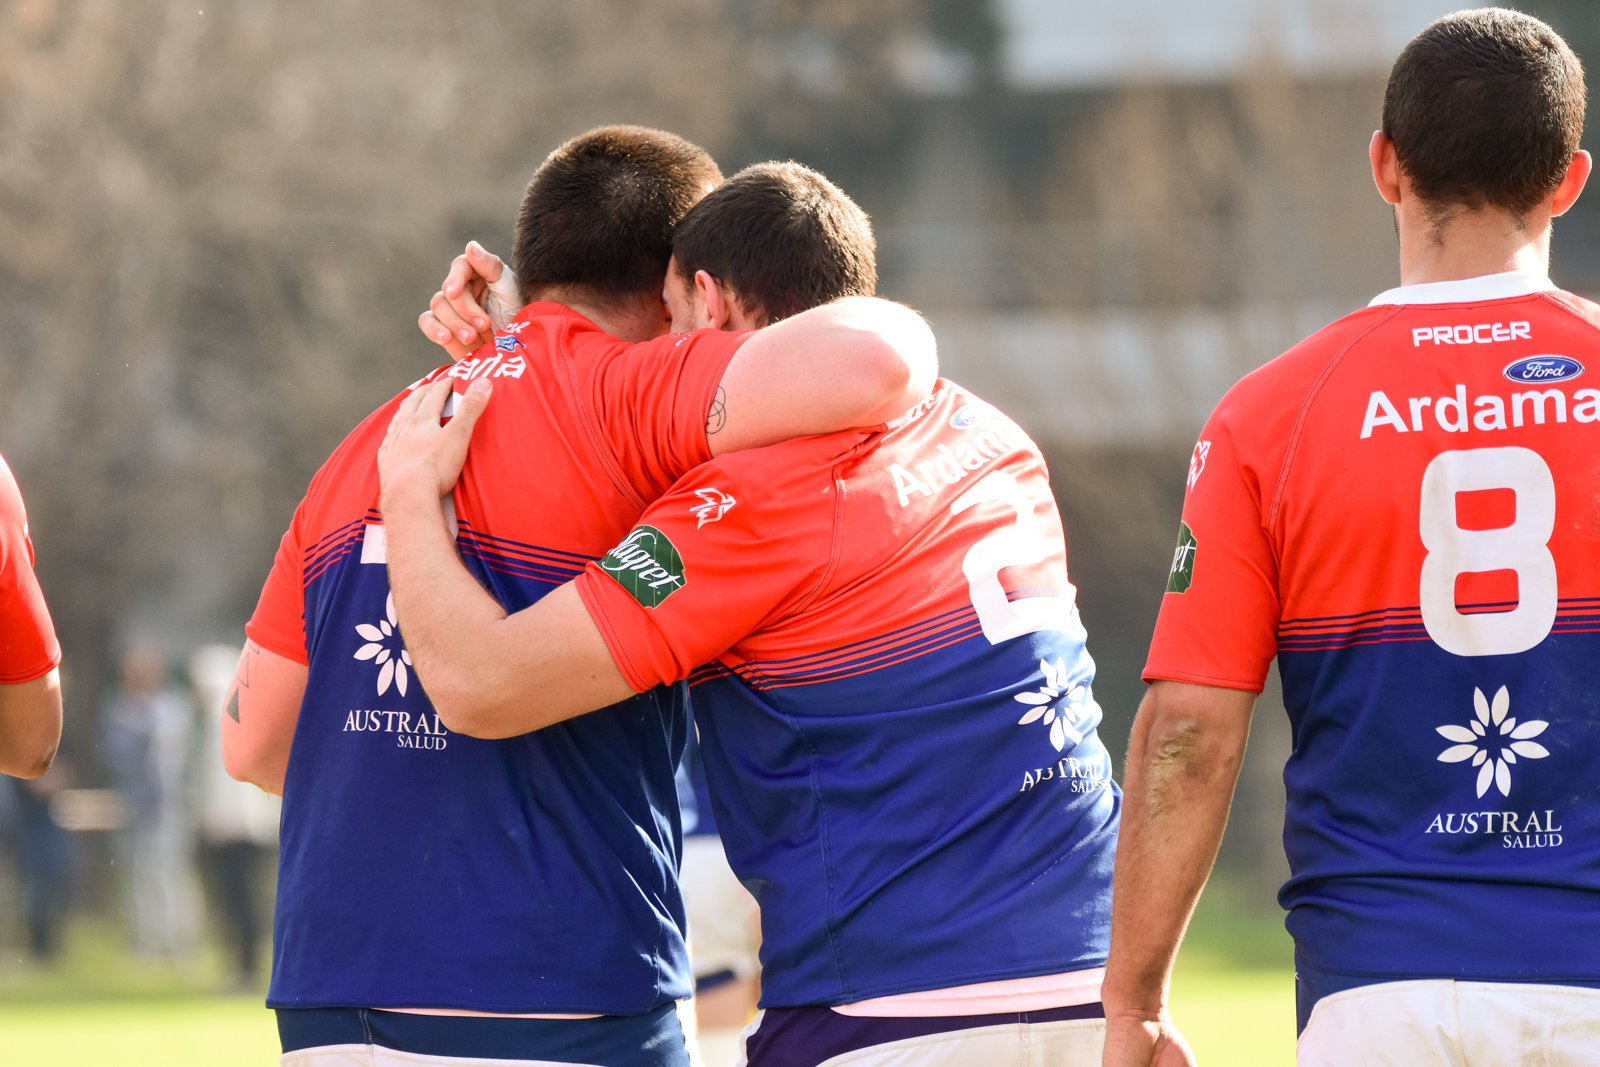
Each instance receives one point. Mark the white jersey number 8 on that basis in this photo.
(1522, 547)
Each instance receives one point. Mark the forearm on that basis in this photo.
(488, 674)
(1183, 760)
(30, 725)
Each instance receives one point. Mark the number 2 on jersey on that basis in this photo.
(1522, 547)
(1014, 545)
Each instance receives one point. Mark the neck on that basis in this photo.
(1461, 243)
(635, 318)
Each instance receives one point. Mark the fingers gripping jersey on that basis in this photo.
(1406, 509)
(896, 723)
(28, 647)
(421, 868)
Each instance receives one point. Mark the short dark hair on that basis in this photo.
(600, 211)
(1485, 107)
(782, 237)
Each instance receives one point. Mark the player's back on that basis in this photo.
(428, 869)
(901, 741)
(1425, 482)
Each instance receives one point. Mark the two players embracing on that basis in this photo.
(862, 573)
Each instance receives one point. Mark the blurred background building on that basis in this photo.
(219, 221)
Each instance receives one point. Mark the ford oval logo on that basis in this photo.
(964, 418)
(1544, 369)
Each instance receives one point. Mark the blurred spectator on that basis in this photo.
(238, 822)
(44, 860)
(149, 731)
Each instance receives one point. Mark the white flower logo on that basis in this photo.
(1065, 722)
(1475, 744)
(395, 660)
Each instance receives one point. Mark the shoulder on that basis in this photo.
(1298, 370)
(1587, 312)
(345, 487)
(669, 347)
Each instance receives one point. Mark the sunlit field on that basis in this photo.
(1233, 998)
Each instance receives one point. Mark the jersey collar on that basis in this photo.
(1468, 290)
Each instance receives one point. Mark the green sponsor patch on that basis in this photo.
(1182, 573)
(647, 565)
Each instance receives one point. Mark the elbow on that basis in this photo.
(31, 764)
(1182, 752)
(494, 709)
(466, 709)
(901, 369)
(253, 764)
(243, 764)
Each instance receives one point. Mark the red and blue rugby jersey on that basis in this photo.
(421, 868)
(896, 720)
(1405, 508)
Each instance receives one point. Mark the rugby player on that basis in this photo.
(430, 880)
(30, 681)
(1402, 509)
(895, 711)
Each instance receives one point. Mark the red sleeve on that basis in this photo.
(28, 646)
(279, 622)
(652, 400)
(737, 544)
(1219, 617)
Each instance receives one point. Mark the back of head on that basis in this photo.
(783, 238)
(599, 213)
(1485, 108)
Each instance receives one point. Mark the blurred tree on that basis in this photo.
(217, 226)
(218, 222)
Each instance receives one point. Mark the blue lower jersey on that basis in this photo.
(422, 868)
(1423, 843)
(902, 829)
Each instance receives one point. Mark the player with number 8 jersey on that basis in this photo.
(1405, 508)
(897, 729)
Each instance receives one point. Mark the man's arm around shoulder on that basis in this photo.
(1183, 760)
(855, 362)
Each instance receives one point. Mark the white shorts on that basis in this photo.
(819, 1037)
(1442, 1023)
(724, 920)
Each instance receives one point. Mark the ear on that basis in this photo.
(717, 300)
(1572, 185)
(1385, 167)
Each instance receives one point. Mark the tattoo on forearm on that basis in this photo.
(241, 678)
(717, 417)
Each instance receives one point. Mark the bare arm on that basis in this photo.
(262, 709)
(30, 725)
(480, 667)
(855, 362)
(1183, 760)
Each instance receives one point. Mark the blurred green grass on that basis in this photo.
(1233, 988)
(1233, 998)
